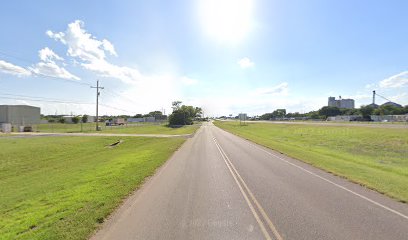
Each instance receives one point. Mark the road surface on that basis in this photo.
(220, 186)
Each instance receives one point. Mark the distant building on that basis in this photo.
(341, 103)
(389, 118)
(68, 119)
(20, 115)
(242, 116)
(391, 104)
(344, 118)
(373, 105)
(132, 120)
(143, 119)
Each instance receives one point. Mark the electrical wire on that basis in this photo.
(43, 99)
(53, 100)
(44, 75)
(383, 97)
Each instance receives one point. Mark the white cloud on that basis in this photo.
(246, 63)
(399, 80)
(91, 53)
(189, 81)
(108, 46)
(13, 69)
(281, 89)
(371, 86)
(47, 55)
(49, 67)
(400, 98)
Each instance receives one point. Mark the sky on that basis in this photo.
(226, 56)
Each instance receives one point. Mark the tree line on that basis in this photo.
(364, 111)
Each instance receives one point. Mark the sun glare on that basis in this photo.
(227, 21)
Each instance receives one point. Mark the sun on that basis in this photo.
(227, 21)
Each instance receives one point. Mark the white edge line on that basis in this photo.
(260, 223)
(331, 182)
(260, 208)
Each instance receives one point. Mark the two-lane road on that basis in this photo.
(220, 186)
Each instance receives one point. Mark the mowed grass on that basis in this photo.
(374, 157)
(129, 129)
(63, 187)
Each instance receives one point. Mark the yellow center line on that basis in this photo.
(260, 208)
(260, 223)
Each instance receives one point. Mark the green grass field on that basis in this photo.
(374, 157)
(130, 128)
(63, 187)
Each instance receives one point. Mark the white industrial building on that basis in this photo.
(341, 103)
(19, 115)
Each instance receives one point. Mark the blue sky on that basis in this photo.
(227, 56)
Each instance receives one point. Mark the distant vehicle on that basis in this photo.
(116, 122)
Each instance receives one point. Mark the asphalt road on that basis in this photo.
(219, 186)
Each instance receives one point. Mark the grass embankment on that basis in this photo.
(130, 128)
(63, 187)
(374, 157)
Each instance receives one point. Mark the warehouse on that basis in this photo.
(19, 115)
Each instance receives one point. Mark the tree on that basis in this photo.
(158, 115)
(199, 112)
(389, 110)
(85, 118)
(75, 120)
(366, 112)
(61, 120)
(183, 115)
(176, 105)
(279, 113)
(266, 116)
(138, 115)
(179, 117)
(329, 111)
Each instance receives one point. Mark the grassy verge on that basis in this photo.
(130, 128)
(63, 187)
(376, 158)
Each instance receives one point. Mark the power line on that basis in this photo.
(52, 100)
(83, 83)
(44, 75)
(59, 101)
(114, 94)
(115, 108)
(26, 96)
(383, 97)
(43, 100)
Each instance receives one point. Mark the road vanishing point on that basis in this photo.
(220, 186)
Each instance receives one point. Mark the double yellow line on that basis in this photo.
(242, 185)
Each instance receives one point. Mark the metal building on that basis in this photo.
(20, 115)
(341, 103)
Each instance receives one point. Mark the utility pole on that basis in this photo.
(373, 98)
(97, 103)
